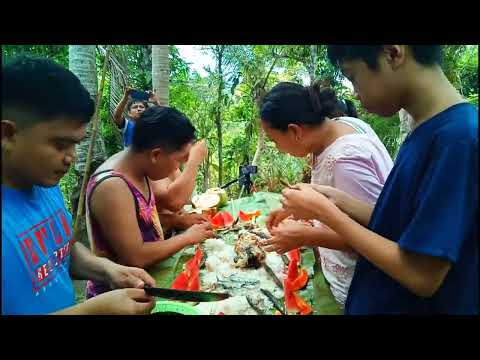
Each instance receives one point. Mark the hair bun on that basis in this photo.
(322, 98)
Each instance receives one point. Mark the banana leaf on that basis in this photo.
(263, 201)
(317, 292)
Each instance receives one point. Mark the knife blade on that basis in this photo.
(274, 277)
(185, 295)
(274, 300)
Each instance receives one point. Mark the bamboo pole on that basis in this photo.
(96, 117)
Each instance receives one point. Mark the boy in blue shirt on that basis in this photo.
(45, 110)
(419, 245)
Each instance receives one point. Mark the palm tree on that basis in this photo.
(161, 72)
(81, 61)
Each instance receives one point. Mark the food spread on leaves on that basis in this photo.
(248, 250)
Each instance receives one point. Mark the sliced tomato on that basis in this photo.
(248, 216)
(198, 255)
(244, 217)
(181, 282)
(216, 221)
(227, 219)
(189, 278)
(300, 281)
(197, 258)
(292, 272)
(294, 255)
(194, 281)
(290, 301)
(303, 307)
(193, 263)
(221, 219)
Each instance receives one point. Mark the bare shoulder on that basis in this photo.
(112, 193)
(159, 186)
(111, 162)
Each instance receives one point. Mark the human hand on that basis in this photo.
(338, 197)
(153, 97)
(286, 236)
(188, 220)
(120, 276)
(276, 217)
(306, 203)
(128, 91)
(121, 302)
(199, 232)
(198, 152)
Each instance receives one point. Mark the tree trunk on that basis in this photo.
(313, 62)
(218, 123)
(81, 61)
(160, 72)
(218, 113)
(406, 124)
(260, 143)
(206, 173)
(259, 95)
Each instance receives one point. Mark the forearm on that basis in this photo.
(315, 236)
(358, 210)
(118, 114)
(86, 266)
(178, 193)
(420, 274)
(153, 252)
(170, 220)
(89, 307)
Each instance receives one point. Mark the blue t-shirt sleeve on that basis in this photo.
(128, 133)
(125, 126)
(444, 203)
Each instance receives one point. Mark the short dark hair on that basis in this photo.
(164, 127)
(42, 90)
(134, 101)
(423, 54)
(291, 103)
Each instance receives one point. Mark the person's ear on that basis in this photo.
(296, 132)
(156, 155)
(9, 130)
(395, 55)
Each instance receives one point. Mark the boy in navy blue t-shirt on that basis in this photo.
(45, 110)
(419, 246)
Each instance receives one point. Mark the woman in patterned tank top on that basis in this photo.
(347, 155)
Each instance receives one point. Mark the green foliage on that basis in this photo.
(274, 166)
(473, 99)
(245, 69)
(460, 64)
(58, 53)
(67, 184)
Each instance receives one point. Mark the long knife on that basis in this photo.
(274, 277)
(274, 300)
(184, 295)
